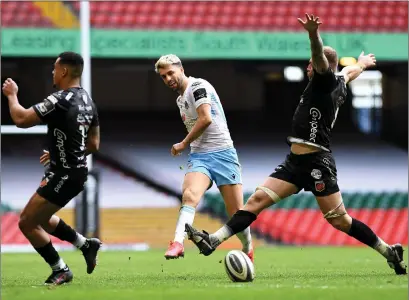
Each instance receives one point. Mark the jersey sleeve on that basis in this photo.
(324, 82)
(52, 106)
(200, 94)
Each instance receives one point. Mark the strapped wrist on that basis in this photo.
(363, 67)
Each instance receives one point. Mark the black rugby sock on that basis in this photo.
(64, 232)
(240, 221)
(363, 233)
(49, 254)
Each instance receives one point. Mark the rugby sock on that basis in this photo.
(51, 256)
(65, 233)
(59, 265)
(80, 241)
(363, 233)
(186, 215)
(245, 239)
(383, 248)
(238, 222)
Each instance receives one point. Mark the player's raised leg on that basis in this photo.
(335, 213)
(88, 246)
(272, 191)
(194, 186)
(233, 198)
(38, 211)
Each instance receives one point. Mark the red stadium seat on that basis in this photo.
(22, 14)
(361, 16)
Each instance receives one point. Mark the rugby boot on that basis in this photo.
(60, 277)
(90, 252)
(175, 250)
(202, 240)
(395, 259)
(250, 254)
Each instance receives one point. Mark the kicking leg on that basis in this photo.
(194, 186)
(335, 213)
(233, 199)
(89, 247)
(272, 191)
(38, 211)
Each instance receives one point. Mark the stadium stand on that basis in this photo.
(256, 15)
(232, 15)
(23, 14)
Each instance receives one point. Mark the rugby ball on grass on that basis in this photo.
(238, 266)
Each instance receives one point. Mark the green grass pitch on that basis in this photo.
(281, 273)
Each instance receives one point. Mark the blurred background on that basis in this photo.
(255, 54)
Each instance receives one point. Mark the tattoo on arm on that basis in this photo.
(319, 61)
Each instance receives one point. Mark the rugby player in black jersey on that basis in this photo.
(73, 133)
(310, 164)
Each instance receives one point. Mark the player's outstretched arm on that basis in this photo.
(319, 61)
(364, 62)
(22, 117)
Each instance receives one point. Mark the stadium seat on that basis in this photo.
(208, 15)
(22, 14)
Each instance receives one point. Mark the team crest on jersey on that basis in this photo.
(319, 186)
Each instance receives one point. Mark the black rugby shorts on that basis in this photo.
(315, 172)
(60, 186)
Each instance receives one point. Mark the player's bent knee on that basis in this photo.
(25, 224)
(260, 200)
(341, 222)
(190, 198)
(271, 194)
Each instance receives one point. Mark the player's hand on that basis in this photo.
(368, 60)
(10, 87)
(178, 148)
(45, 158)
(311, 24)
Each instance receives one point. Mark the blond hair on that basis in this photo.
(167, 60)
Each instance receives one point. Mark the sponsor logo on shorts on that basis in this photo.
(319, 186)
(326, 161)
(60, 184)
(315, 116)
(189, 165)
(316, 174)
(233, 176)
(44, 182)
